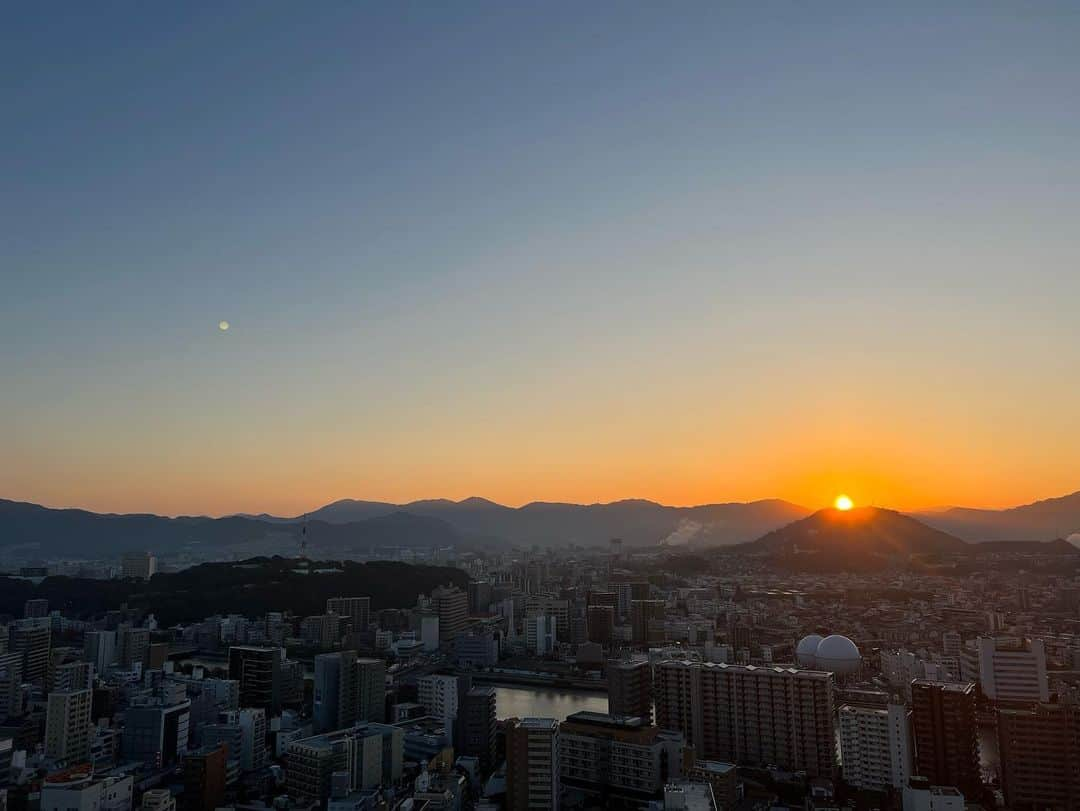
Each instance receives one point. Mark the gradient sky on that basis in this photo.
(576, 251)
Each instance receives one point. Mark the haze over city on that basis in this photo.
(562, 253)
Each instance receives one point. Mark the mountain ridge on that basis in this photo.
(350, 524)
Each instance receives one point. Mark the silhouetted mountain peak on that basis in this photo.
(860, 532)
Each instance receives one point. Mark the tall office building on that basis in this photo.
(475, 726)
(532, 765)
(335, 691)
(647, 621)
(1039, 747)
(550, 606)
(429, 632)
(32, 639)
(99, 649)
(750, 715)
(357, 609)
(541, 633)
(347, 689)
(452, 606)
(156, 731)
(479, 592)
(875, 745)
(67, 725)
(1010, 672)
(371, 690)
(630, 688)
(258, 670)
(946, 736)
(139, 565)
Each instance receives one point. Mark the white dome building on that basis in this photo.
(806, 651)
(837, 654)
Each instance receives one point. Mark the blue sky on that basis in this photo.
(575, 251)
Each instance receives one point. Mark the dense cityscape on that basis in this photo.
(643, 678)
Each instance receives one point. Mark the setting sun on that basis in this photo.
(843, 503)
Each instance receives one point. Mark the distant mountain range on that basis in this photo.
(357, 526)
(40, 531)
(1043, 520)
(635, 521)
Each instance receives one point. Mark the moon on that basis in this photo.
(223, 326)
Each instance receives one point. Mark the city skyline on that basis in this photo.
(561, 254)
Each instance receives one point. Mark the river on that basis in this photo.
(540, 702)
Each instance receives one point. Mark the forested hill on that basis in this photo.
(251, 587)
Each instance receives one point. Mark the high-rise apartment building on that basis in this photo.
(32, 639)
(439, 695)
(244, 733)
(364, 756)
(532, 765)
(944, 727)
(952, 643)
(475, 726)
(630, 688)
(1039, 747)
(357, 609)
(67, 725)
(875, 745)
(617, 762)
(73, 676)
(452, 606)
(750, 715)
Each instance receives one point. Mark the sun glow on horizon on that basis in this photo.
(843, 503)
